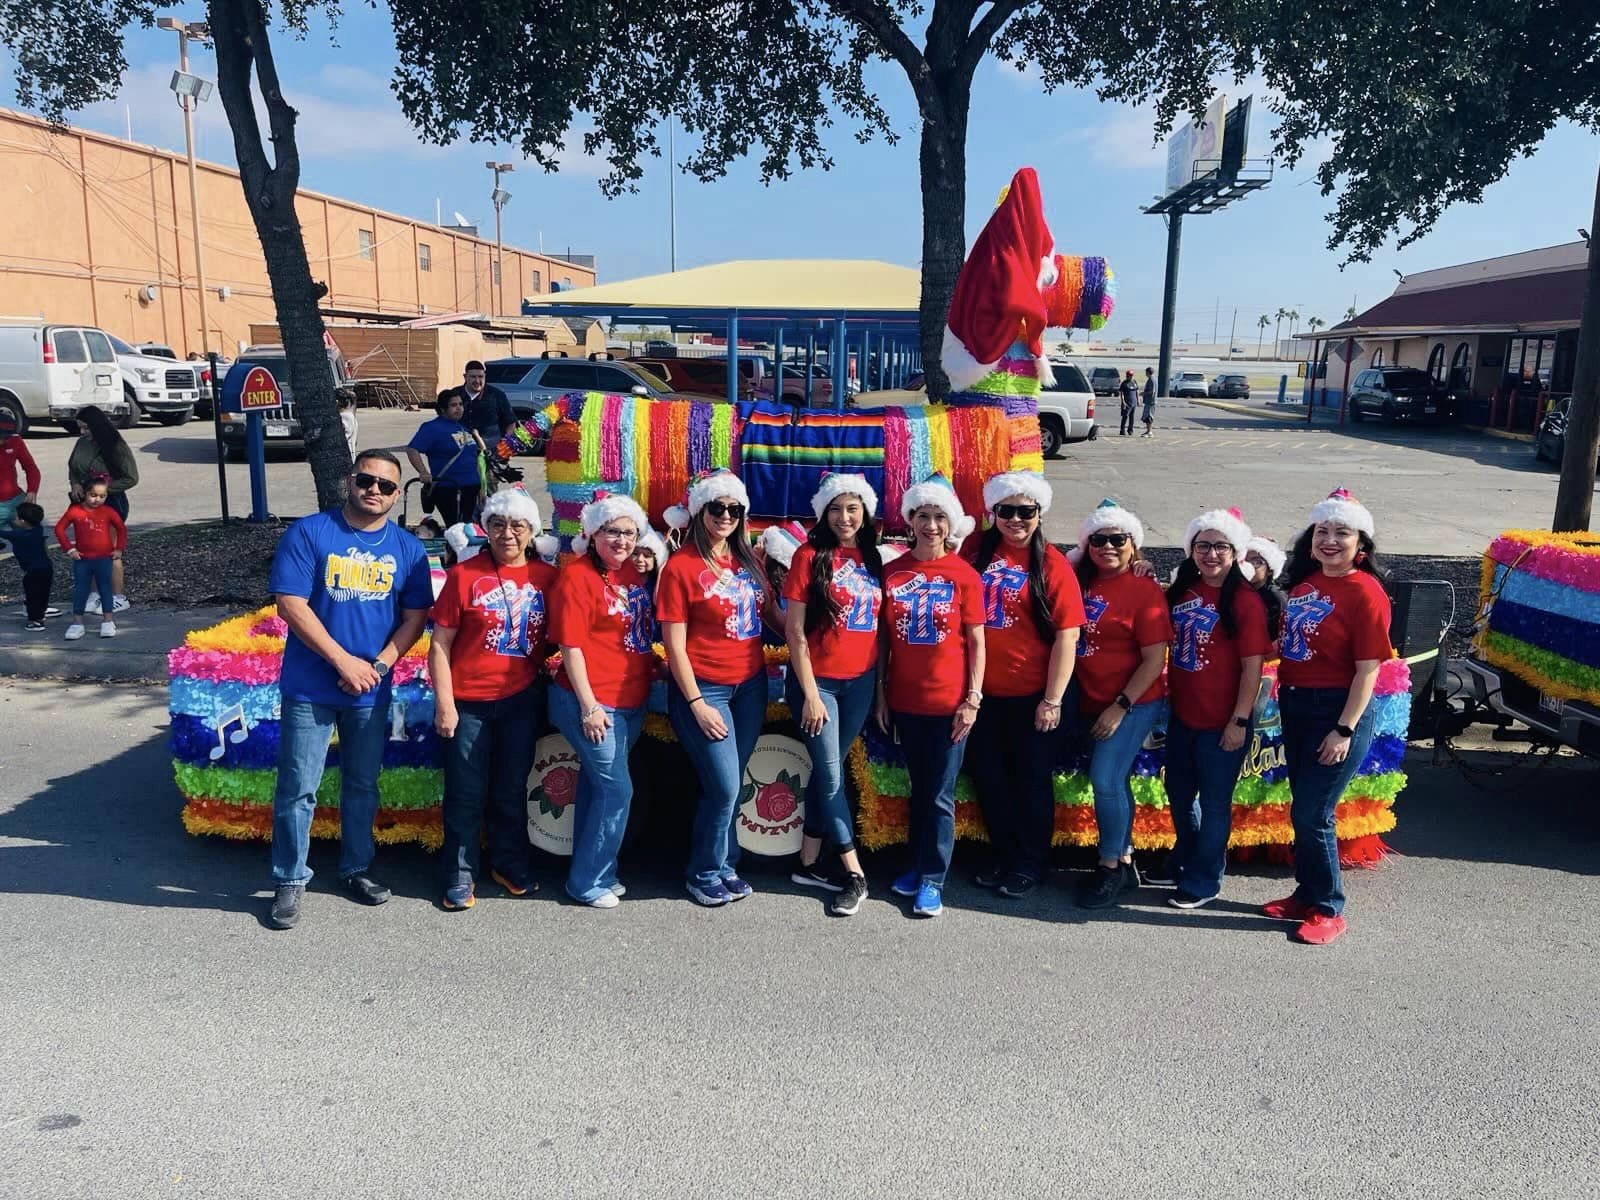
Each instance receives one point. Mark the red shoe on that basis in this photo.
(1290, 908)
(1319, 929)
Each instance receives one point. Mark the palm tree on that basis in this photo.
(1277, 327)
(1261, 331)
(1294, 321)
(1350, 313)
(1314, 323)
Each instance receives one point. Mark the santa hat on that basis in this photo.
(1229, 522)
(936, 492)
(1108, 514)
(779, 542)
(839, 483)
(1271, 553)
(1017, 483)
(999, 294)
(465, 539)
(889, 551)
(1344, 508)
(652, 541)
(514, 504)
(703, 488)
(604, 508)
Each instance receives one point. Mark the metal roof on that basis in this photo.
(1505, 301)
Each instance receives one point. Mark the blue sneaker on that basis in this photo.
(930, 902)
(712, 895)
(907, 884)
(459, 898)
(737, 888)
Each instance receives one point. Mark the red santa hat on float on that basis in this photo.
(1344, 508)
(1229, 522)
(999, 297)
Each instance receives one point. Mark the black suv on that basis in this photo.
(281, 425)
(1229, 387)
(1398, 393)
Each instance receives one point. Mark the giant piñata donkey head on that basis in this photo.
(1012, 287)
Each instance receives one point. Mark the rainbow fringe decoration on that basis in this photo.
(1260, 800)
(1542, 592)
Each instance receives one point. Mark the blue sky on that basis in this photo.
(1096, 164)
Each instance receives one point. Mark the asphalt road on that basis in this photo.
(158, 1041)
(1433, 491)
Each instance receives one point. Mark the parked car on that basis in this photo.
(282, 424)
(202, 374)
(1105, 380)
(164, 389)
(48, 372)
(1191, 384)
(691, 376)
(532, 383)
(1229, 387)
(157, 350)
(1066, 409)
(1395, 394)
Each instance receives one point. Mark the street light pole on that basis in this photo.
(500, 197)
(186, 101)
(672, 197)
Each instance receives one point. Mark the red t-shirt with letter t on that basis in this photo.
(927, 607)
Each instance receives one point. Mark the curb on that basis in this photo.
(1504, 435)
(1249, 411)
(84, 666)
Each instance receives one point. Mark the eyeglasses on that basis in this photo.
(1213, 547)
(1115, 540)
(366, 482)
(719, 510)
(1016, 512)
(612, 534)
(500, 525)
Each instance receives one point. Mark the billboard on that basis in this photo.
(1197, 142)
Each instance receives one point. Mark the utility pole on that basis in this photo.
(191, 90)
(1169, 299)
(1233, 328)
(1216, 320)
(501, 198)
(672, 196)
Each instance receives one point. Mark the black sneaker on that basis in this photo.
(851, 894)
(817, 876)
(990, 878)
(286, 905)
(34, 626)
(1103, 889)
(1131, 879)
(365, 888)
(1017, 885)
(1161, 874)
(1183, 899)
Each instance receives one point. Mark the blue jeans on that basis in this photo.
(1110, 765)
(847, 701)
(304, 731)
(605, 792)
(932, 761)
(486, 766)
(1200, 779)
(1013, 766)
(713, 842)
(1309, 715)
(95, 571)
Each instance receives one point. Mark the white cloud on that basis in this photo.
(1122, 137)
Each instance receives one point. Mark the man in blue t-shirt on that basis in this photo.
(444, 453)
(354, 590)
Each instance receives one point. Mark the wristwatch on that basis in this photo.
(1344, 731)
(381, 667)
(1123, 702)
(1242, 722)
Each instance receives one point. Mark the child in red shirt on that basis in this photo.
(98, 539)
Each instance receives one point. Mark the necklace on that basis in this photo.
(382, 535)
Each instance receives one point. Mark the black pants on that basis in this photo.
(455, 504)
(36, 591)
(1013, 765)
(1127, 419)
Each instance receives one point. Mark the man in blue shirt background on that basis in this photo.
(444, 453)
(354, 590)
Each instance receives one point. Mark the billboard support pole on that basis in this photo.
(1169, 301)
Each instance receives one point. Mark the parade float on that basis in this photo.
(224, 699)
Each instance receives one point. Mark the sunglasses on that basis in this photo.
(719, 510)
(366, 482)
(1115, 540)
(1016, 512)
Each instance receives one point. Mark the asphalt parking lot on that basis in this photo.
(1436, 491)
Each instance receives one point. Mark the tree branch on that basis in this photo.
(879, 21)
(977, 43)
(280, 115)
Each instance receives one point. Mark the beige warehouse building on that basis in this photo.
(99, 230)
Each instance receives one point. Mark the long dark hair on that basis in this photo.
(989, 545)
(1087, 571)
(738, 545)
(1189, 573)
(822, 607)
(1303, 564)
(103, 432)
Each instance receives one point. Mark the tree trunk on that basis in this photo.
(944, 217)
(1575, 495)
(239, 29)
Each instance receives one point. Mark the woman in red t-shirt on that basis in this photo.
(709, 601)
(1219, 641)
(605, 627)
(1120, 690)
(930, 677)
(490, 637)
(834, 591)
(1033, 610)
(1335, 637)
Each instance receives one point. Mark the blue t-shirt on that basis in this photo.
(28, 547)
(357, 583)
(439, 440)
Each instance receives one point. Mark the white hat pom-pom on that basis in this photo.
(677, 516)
(580, 544)
(547, 547)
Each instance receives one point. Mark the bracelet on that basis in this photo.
(590, 712)
(695, 700)
(1050, 703)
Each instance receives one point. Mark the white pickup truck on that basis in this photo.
(1066, 409)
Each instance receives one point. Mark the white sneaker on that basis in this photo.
(93, 606)
(108, 629)
(119, 604)
(605, 900)
(618, 890)
(74, 631)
